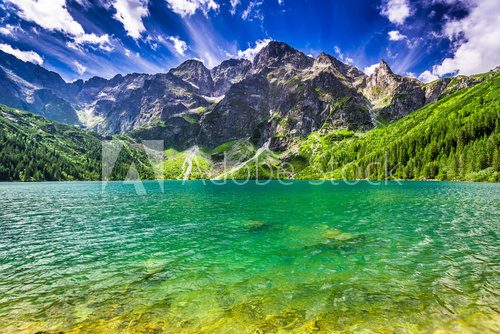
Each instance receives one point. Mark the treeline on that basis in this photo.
(455, 138)
(33, 148)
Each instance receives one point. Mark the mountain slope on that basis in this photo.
(32, 87)
(455, 138)
(34, 148)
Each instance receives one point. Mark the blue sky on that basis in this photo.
(83, 38)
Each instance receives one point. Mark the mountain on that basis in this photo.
(279, 98)
(454, 138)
(32, 87)
(34, 148)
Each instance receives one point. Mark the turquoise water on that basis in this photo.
(420, 257)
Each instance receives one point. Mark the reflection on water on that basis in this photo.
(417, 258)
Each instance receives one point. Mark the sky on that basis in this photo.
(426, 39)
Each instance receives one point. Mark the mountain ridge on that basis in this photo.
(281, 96)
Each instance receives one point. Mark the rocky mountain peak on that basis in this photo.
(383, 68)
(228, 73)
(350, 73)
(276, 54)
(323, 58)
(195, 73)
(191, 64)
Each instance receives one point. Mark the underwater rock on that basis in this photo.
(338, 235)
(336, 240)
(255, 225)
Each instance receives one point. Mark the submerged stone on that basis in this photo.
(255, 225)
(338, 235)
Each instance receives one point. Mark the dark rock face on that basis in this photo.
(244, 109)
(195, 73)
(392, 96)
(277, 54)
(280, 96)
(228, 73)
(343, 71)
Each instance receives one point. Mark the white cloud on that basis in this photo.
(30, 56)
(79, 68)
(178, 44)
(411, 75)
(476, 38)
(5, 31)
(370, 69)
(234, 3)
(343, 57)
(48, 14)
(250, 53)
(8, 30)
(396, 10)
(102, 42)
(53, 15)
(395, 35)
(427, 76)
(252, 11)
(130, 14)
(189, 7)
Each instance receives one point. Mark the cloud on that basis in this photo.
(53, 15)
(102, 42)
(130, 14)
(396, 10)
(395, 35)
(178, 44)
(250, 53)
(427, 76)
(252, 11)
(234, 4)
(476, 38)
(189, 7)
(411, 75)
(79, 68)
(30, 56)
(342, 57)
(8, 30)
(370, 69)
(48, 14)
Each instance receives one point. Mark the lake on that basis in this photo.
(194, 257)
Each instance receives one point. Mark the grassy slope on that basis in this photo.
(34, 148)
(455, 138)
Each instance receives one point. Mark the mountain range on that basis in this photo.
(280, 96)
(271, 108)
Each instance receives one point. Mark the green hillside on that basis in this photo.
(455, 138)
(34, 148)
